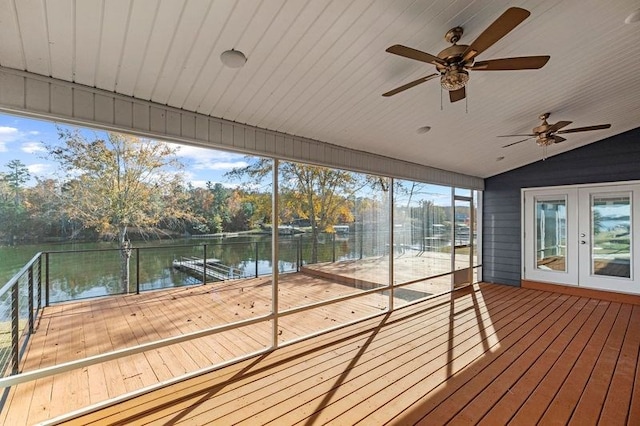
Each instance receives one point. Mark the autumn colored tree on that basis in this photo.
(117, 183)
(47, 215)
(319, 194)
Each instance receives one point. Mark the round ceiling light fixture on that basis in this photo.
(233, 58)
(422, 130)
(633, 17)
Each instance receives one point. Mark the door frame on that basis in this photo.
(575, 254)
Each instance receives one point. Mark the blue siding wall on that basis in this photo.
(610, 160)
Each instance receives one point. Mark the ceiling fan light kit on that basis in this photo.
(453, 62)
(547, 134)
(454, 80)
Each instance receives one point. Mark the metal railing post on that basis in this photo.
(15, 321)
(39, 282)
(137, 270)
(204, 265)
(256, 243)
(30, 291)
(298, 254)
(46, 279)
(333, 255)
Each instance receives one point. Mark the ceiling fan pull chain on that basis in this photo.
(466, 102)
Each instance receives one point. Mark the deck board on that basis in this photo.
(484, 354)
(545, 391)
(532, 335)
(592, 399)
(516, 394)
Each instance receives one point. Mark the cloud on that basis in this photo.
(7, 134)
(39, 168)
(209, 159)
(32, 147)
(198, 183)
(5, 130)
(222, 165)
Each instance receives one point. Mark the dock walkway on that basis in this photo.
(212, 268)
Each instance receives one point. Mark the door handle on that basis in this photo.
(583, 242)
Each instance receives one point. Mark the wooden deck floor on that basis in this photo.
(72, 331)
(486, 354)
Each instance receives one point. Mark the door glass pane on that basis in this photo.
(462, 243)
(611, 235)
(551, 234)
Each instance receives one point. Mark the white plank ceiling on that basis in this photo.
(317, 68)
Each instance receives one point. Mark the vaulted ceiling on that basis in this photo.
(318, 68)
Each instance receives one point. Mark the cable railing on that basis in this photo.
(81, 274)
(20, 304)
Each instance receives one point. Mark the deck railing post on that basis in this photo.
(333, 240)
(137, 270)
(298, 254)
(39, 283)
(204, 265)
(31, 293)
(46, 279)
(15, 321)
(256, 255)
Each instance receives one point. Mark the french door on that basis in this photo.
(587, 236)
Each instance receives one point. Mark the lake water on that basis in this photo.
(82, 270)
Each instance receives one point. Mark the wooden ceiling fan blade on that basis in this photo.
(513, 143)
(559, 125)
(418, 55)
(509, 136)
(558, 139)
(586, 129)
(502, 26)
(512, 64)
(457, 95)
(409, 85)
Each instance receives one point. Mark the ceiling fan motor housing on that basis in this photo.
(452, 55)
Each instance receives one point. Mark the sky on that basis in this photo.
(22, 139)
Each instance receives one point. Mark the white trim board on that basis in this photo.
(37, 96)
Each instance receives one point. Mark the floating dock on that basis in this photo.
(213, 269)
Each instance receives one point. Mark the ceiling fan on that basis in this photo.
(454, 61)
(547, 134)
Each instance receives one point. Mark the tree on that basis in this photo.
(46, 210)
(118, 183)
(318, 194)
(12, 208)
